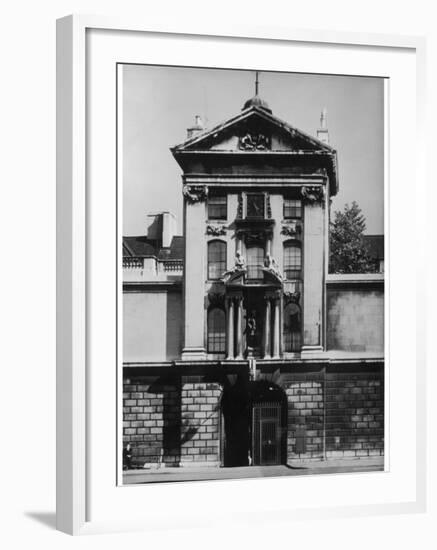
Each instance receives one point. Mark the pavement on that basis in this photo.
(341, 466)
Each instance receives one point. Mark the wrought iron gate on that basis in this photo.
(266, 434)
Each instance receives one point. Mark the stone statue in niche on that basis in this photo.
(251, 333)
(251, 324)
(254, 142)
(240, 262)
(271, 266)
(237, 271)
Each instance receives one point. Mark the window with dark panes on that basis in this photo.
(217, 207)
(292, 335)
(216, 259)
(255, 262)
(292, 260)
(255, 205)
(216, 331)
(292, 209)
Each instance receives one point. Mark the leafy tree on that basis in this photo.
(348, 250)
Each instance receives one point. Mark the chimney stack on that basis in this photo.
(168, 228)
(161, 228)
(322, 132)
(196, 129)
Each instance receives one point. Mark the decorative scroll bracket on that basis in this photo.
(291, 229)
(215, 230)
(216, 299)
(195, 193)
(292, 297)
(312, 194)
(255, 142)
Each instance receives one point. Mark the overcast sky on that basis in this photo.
(160, 103)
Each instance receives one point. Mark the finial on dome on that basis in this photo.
(256, 100)
(323, 117)
(322, 132)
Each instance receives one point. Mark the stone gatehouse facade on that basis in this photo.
(239, 348)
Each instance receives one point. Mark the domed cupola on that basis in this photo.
(257, 101)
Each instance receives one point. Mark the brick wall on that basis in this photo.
(305, 416)
(172, 423)
(332, 412)
(200, 431)
(151, 422)
(354, 414)
(337, 414)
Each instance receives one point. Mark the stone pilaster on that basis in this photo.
(194, 274)
(313, 268)
(276, 327)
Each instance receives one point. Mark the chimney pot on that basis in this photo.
(196, 129)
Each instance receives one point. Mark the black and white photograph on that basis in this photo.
(252, 273)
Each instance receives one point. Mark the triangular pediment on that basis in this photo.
(253, 130)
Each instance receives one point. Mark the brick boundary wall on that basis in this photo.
(172, 421)
(305, 416)
(151, 421)
(332, 412)
(335, 414)
(200, 431)
(354, 415)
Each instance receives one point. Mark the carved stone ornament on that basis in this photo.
(215, 230)
(292, 229)
(312, 193)
(195, 193)
(240, 206)
(216, 299)
(292, 297)
(269, 207)
(271, 267)
(255, 142)
(254, 237)
(239, 270)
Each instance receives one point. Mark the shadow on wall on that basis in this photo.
(174, 326)
(167, 418)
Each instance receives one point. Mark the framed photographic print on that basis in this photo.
(234, 211)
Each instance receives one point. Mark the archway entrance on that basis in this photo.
(254, 418)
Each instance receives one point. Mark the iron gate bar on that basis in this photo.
(266, 434)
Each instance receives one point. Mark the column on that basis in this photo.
(230, 330)
(276, 329)
(239, 327)
(267, 321)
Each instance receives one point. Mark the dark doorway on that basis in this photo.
(236, 422)
(254, 424)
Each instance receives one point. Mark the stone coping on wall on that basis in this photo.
(355, 279)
